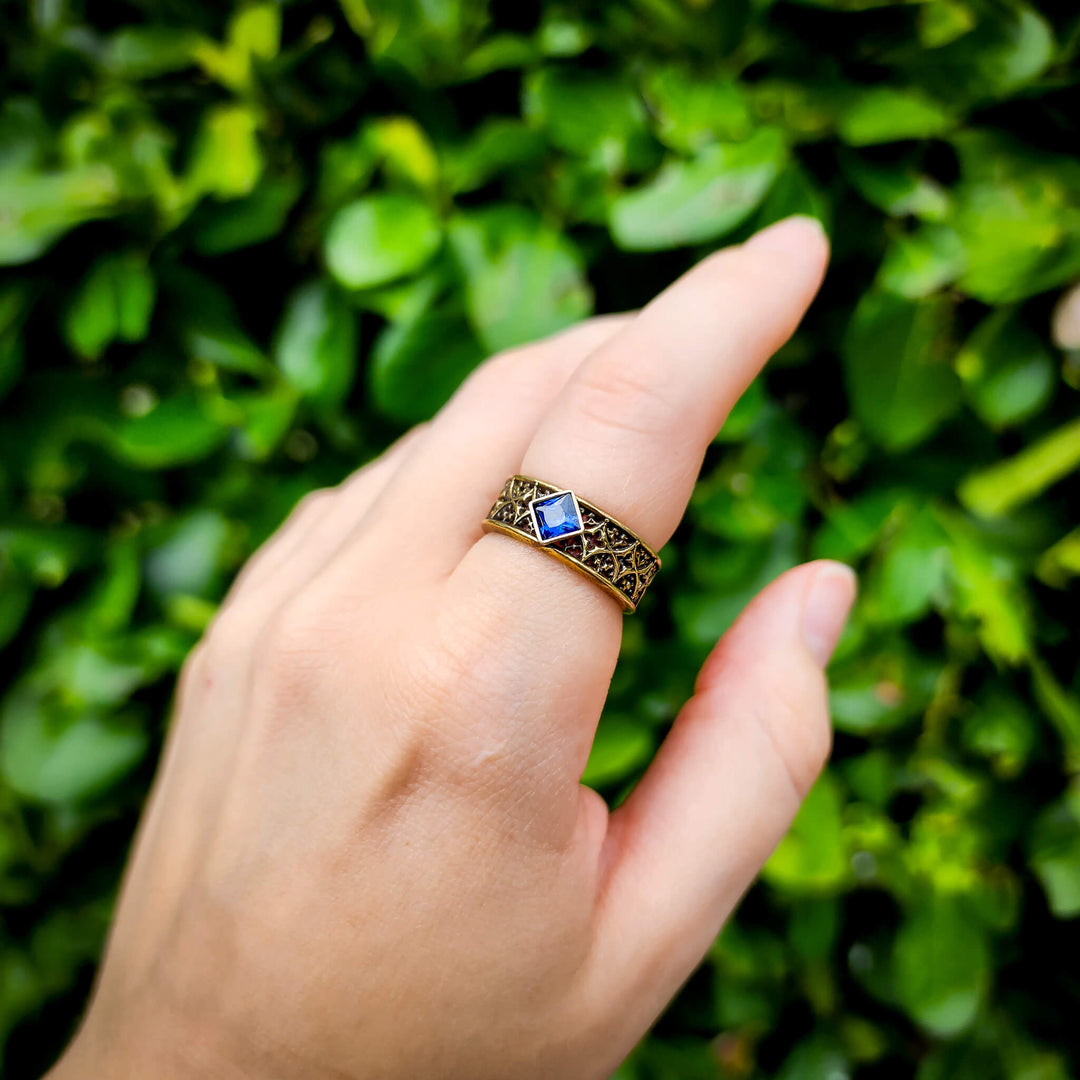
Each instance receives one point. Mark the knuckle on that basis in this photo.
(227, 640)
(312, 504)
(455, 685)
(615, 397)
(192, 671)
(457, 668)
(519, 369)
(296, 648)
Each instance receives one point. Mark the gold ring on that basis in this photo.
(562, 524)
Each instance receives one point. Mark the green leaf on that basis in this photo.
(695, 201)
(595, 116)
(895, 359)
(1061, 561)
(1018, 215)
(816, 1058)
(316, 344)
(114, 301)
(251, 220)
(909, 573)
(1003, 729)
(112, 602)
(691, 111)
(794, 192)
(1061, 708)
(191, 556)
(40, 207)
(523, 279)
(227, 160)
(719, 589)
(897, 189)
(852, 528)
(812, 859)
(145, 52)
(1008, 371)
(1000, 488)
(208, 323)
(562, 35)
(50, 758)
(921, 262)
(417, 363)
(47, 555)
(267, 419)
(496, 146)
(1054, 854)
(379, 238)
(404, 150)
(878, 693)
(882, 114)
(178, 430)
(943, 21)
(254, 34)
(759, 487)
(1012, 45)
(987, 586)
(619, 748)
(941, 966)
(497, 53)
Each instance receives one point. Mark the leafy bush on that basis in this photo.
(246, 248)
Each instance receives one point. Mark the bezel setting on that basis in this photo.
(550, 497)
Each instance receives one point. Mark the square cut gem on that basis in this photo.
(555, 516)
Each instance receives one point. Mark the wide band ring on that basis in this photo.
(557, 521)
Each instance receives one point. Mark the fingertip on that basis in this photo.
(797, 243)
(805, 606)
(826, 606)
(799, 232)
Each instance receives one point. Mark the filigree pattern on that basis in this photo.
(607, 551)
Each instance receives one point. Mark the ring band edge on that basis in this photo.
(507, 530)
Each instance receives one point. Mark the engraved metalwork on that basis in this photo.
(605, 549)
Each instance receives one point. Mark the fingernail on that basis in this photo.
(786, 233)
(826, 608)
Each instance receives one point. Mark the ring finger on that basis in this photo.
(628, 432)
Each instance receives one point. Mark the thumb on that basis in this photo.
(723, 789)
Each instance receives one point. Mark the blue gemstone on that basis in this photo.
(556, 516)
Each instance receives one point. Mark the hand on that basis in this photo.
(368, 853)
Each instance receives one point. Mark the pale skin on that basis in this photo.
(368, 853)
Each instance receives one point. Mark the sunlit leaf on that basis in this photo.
(941, 965)
(1007, 369)
(316, 343)
(691, 202)
(898, 373)
(379, 238)
(619, 748)
(882, 114)
(523, 279)
(51, 758)
(919, 263)
(812, 858)
(1010, 483)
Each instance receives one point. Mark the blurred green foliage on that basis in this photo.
(245, 247)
